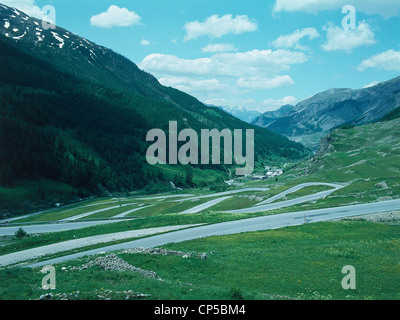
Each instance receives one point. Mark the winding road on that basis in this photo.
(239, 226)
(267, 205)
(225, 228)
(302, 186)
(55, 227)
(206, 205)
(38, 252)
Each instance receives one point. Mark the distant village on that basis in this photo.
(270, 172)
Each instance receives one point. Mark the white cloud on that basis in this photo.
(169, 64)
(115, 17)
(218, 102)
(385, 8)
(274, 104)
(216, 27)
(388, 60)
(227, 76)
(264, 83)
(26, 6)
(145, 42)
(219, 47)
(260, 63)
(339, 39)
(293, 40)
(195, 87)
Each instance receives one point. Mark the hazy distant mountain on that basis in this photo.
(332, 108)
(263, 120)
(241, 113)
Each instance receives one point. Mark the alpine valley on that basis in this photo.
(85, 216)
(74, 117)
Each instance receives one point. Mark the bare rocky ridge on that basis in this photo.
(325, 147)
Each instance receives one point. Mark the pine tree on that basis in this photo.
(160, 176)
(189, 178)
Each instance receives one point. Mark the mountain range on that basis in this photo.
(333, 108)
(77, 113)
(241, 113)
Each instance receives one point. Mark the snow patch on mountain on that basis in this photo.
(19, 37)
(57, 37)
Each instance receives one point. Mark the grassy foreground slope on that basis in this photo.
(303, 262)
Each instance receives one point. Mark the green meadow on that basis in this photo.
(303, 262)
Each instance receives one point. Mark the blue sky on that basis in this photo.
(256, 54)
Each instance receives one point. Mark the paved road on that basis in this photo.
(35, 253)
(225, 193)
(206, 205)
(239, 226)
(55, 227)
(165, 197)
(257, 208)
(124, 214)
(267, 205)
(283, 204)
(299, 187)
(19, 217)
(86, 214)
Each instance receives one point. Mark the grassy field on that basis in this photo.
(303, 262)
(42, 192)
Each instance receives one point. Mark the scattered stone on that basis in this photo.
(384, 198)
(102, 294)
(386, 217)
(114, 263)
(164, 252)
(47, 296)
(252, 198)
(383, 185)
(156, 251)
(127, 295)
